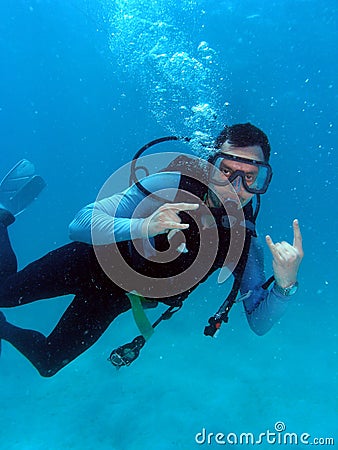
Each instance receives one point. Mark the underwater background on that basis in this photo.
(84, 84)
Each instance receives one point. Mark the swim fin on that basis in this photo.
(20, 187)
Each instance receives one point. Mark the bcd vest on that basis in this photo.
(208, 247)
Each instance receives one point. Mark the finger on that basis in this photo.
(273, 247)
(181, 206)
(285, 247)
(297, 236)
(171, 225)
(269, 242)
(288, 253)
(281, 250)
(171, 216)
(172, 233)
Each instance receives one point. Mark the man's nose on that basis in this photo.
(237, 184)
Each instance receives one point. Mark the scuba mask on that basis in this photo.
(254, 175)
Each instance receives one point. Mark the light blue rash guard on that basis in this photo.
(120, 218)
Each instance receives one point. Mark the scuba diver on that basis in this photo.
(153, 243)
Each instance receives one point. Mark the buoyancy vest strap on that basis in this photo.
(268, 282)
(140, 317)
(222, 315)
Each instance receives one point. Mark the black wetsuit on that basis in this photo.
(74, 269)
(71, 269)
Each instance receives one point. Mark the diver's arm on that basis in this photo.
(121, 216)
(99, 220)
(263, 307)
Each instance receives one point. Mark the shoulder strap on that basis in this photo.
(222, 315)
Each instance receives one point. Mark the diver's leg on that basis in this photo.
(84, 321)
(8, 261)
(60, 272)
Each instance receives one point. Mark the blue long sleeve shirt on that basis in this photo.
(120, 217)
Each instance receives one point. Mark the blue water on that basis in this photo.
(83, 86)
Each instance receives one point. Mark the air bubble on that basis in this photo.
(167, 66)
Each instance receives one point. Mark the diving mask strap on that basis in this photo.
(141, 320)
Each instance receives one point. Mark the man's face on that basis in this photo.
(228, 167)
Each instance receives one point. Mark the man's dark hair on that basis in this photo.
(244, 135)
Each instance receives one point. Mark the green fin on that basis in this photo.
(20, 187)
